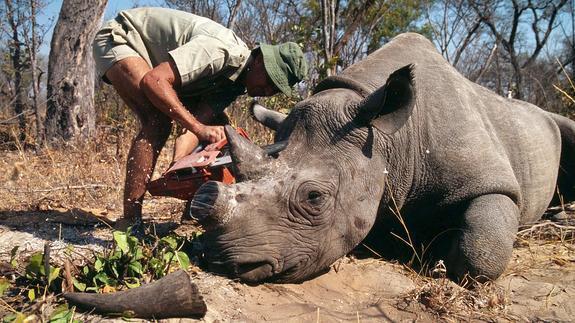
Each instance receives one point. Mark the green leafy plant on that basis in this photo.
(13, 258)
(131, 260)
(4, 285)
(17, 317)
(36, 270)
(41, 278)
(126, 264)
(37, 279)
(63, 314)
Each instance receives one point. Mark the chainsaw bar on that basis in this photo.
(186, 176)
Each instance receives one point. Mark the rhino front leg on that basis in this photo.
(484, 245)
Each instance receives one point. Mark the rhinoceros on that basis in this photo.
(399, 152)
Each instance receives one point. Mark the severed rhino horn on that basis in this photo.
(171, 296)
(269, 118)
(250, 161)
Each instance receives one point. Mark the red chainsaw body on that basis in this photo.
(185, 177)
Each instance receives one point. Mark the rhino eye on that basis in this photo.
(310, 200)
(315, 197)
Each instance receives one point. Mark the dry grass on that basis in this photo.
(77, 176)
(546, 244)
(452, 302)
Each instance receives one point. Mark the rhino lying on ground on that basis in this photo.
(399, 146)
(399, 152)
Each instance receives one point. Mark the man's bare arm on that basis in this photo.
(159, 85)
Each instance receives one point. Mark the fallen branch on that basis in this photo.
(559, 208)
(545, 224)
(68, 283)
(46, 260)
(13, 119)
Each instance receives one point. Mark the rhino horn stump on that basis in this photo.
(171, 296)
(249, 159)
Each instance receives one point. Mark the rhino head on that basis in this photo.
(289, 218)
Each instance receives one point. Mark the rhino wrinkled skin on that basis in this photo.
(399, 135)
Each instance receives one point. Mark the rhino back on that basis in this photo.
(476, 142)
(465, 140)
(372, 72)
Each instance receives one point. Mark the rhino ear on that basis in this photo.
(388, 108)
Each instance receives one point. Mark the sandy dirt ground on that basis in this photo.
(539, 284)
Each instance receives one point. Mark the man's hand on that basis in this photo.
(211, 134)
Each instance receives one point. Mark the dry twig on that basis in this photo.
(61, 188)
(548, 229)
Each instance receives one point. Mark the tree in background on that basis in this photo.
(566, 70)
(338, 33)
(459, 36)
(507, 46)
(33, 44)
(519, 48)
(541, 15)
(212, 9)
(21, 37)
(253, 21)
(17, 57)
(70, 113)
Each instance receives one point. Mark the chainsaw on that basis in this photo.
(185, 177)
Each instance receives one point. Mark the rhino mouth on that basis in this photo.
(253, 272)
(257, 272)
(248, 271)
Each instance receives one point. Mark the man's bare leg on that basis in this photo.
(126, 75)
(185, 145)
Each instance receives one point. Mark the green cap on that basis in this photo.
(284, 64)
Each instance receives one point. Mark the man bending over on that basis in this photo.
(169, 65)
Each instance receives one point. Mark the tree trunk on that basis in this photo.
(233, 14)
(16, 58)
(328, 21)
(70, 113)
(33, 50)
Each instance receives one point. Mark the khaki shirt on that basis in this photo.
(208, 56)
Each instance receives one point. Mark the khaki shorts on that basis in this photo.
(109, 46)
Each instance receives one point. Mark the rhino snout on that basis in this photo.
(212, 205)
